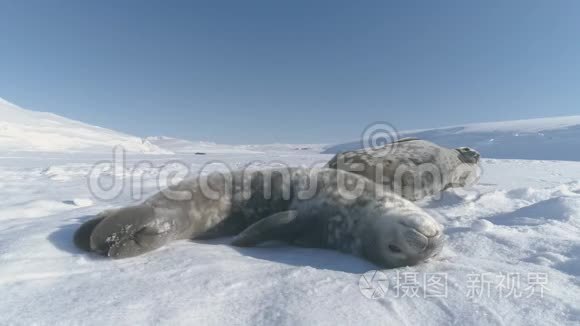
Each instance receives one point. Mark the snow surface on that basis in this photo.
(555, 138)
(287, 148)
(182, 146)
(31, 131)
(522, 218)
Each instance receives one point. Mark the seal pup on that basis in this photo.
(411, 167)
(321, 208)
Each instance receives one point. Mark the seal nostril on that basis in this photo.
(394, 248)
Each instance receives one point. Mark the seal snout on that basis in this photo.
(435, 244)
(424, 237)
(424, 226)
(416, 240)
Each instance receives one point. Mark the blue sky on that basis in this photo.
(292, 71)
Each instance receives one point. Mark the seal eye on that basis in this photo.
(394, 248)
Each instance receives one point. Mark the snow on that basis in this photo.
(82, 202)
(25, 131)
(522, 218)
(31, 131)
(287, 148)
(481, 225)
(512, 255)
(183, 146)
(535, 139)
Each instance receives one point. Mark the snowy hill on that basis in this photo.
(31, 131)
(541, 139)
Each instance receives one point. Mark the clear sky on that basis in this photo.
(289, 71)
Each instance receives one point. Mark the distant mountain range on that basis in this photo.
(24, 130)
(30, 131)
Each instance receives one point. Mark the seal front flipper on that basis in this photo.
(280, 226)
(130, 231)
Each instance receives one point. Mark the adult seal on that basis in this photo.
(321, 208)
(411, 167)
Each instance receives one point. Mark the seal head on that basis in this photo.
(401, 236)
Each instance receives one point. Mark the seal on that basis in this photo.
(320, 208)
(411, 167)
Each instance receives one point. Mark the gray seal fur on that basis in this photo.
(344, 211)
(411, 167)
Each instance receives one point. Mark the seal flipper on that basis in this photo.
(142, 241)
(225, 228)
(129, 232)
(280, 226)
(82, 236)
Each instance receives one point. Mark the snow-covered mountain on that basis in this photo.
(32, 131)
(183, 146)
(24, 130)
(540, 139)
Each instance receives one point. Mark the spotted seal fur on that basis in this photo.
(411, 167)
(321, 208)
